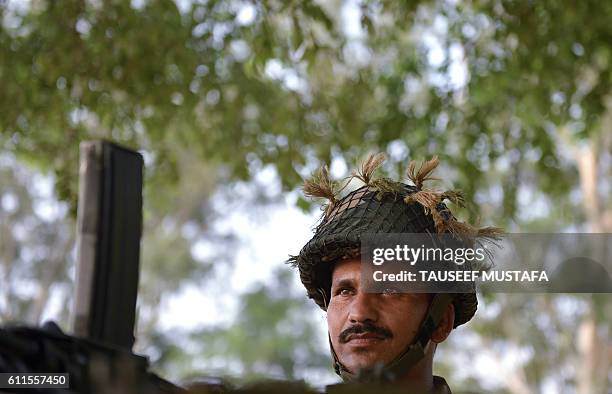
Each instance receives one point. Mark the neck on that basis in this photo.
(420, 376)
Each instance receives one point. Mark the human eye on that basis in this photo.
(344, 291)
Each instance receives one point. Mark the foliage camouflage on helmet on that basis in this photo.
(380, 206)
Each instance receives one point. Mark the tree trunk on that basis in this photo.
(594, 358)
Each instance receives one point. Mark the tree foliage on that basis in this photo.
(513, 96)
(242, 84)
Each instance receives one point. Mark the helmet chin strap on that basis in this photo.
(413, 353)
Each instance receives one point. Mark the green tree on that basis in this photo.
(514, 97)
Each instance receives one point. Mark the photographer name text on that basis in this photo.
(460, 276)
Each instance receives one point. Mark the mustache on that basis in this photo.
(364, 328)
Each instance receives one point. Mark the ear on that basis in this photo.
(446, 325)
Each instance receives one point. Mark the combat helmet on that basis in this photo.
(382, 206)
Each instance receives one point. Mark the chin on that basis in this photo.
(364, 361)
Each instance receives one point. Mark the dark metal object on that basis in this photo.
(99, 357)
(93, 367)
(108, 243)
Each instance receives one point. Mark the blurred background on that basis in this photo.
(233, 102)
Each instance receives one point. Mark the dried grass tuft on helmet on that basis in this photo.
(432, 200)
(367, 168)
(320, 185)
(423, 174)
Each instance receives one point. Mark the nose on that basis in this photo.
(363, 308)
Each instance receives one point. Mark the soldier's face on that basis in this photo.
(367, 328)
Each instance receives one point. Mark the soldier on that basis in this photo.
(389, 336)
